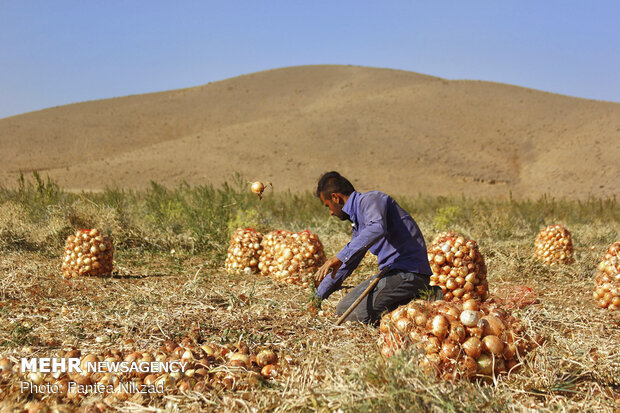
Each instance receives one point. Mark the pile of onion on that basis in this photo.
(457, 339)
(607, 279)
(554, 245)
(88, 252)
(244, 251)
(292, 258)
(458, 267)
(209, 367)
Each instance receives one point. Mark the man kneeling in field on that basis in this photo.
(388, 231)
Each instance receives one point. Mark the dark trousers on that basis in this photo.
(394, 289)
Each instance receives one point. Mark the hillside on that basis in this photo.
(400, 132)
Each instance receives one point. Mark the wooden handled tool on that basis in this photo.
(372, 285)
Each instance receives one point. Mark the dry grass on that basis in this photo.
(157, 295)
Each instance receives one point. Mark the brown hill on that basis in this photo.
(400, 132)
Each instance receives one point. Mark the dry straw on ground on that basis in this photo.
(164, 288)
(330, 367)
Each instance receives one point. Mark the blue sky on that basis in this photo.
(59, 52)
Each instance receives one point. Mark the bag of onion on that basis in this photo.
(244, 251)
(457, 340)
(607, 279)
(291, 258)
(87, 252)
(554, 245)
(458, 267)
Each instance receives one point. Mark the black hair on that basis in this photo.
(332, 183)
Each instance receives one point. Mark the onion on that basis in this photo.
(400, 312)
(472, 347)
(511, 364)
(469, 318)
(5, 364)
(475, 331)
(433, 345)
(421, 319)
(449, 350)
(402, 324)
(384, 324)
(270, 371)
(457, 332)
(469, 366)
(493, 325)
(440, 326)
(485, 364)
(258, 187)
(266, 357)
(36, 377)
(473, 305)
(493, 345)
(412, 312)
(509, 351)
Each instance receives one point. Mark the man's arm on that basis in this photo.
(333, 282)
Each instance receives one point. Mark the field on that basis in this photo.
(169, 285)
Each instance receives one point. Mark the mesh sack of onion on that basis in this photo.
(454, 340)
(87, 252)
(458, 267)
(607, 279)
(244, 251)
(554, 245)
(292, 258)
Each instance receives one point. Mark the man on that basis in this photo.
(388, 231)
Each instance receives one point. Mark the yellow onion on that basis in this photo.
(493, 345)
(469, 366)
(440, 326)
(402, 324)
(421, 319)
(270, 371)
(457, 332)
(433, 345)
(472, 347)
(266, 357)
(485, 364)
(509, 351)
(5, 364)
(493, 325)
(449, 350)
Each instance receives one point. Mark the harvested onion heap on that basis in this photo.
(457, 340)
(291, 258)
(607, 288)
(88, 252)
(209, 366)
(554, 245)
(458, 267)
(244, 251)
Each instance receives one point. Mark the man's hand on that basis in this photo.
(331, 264)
